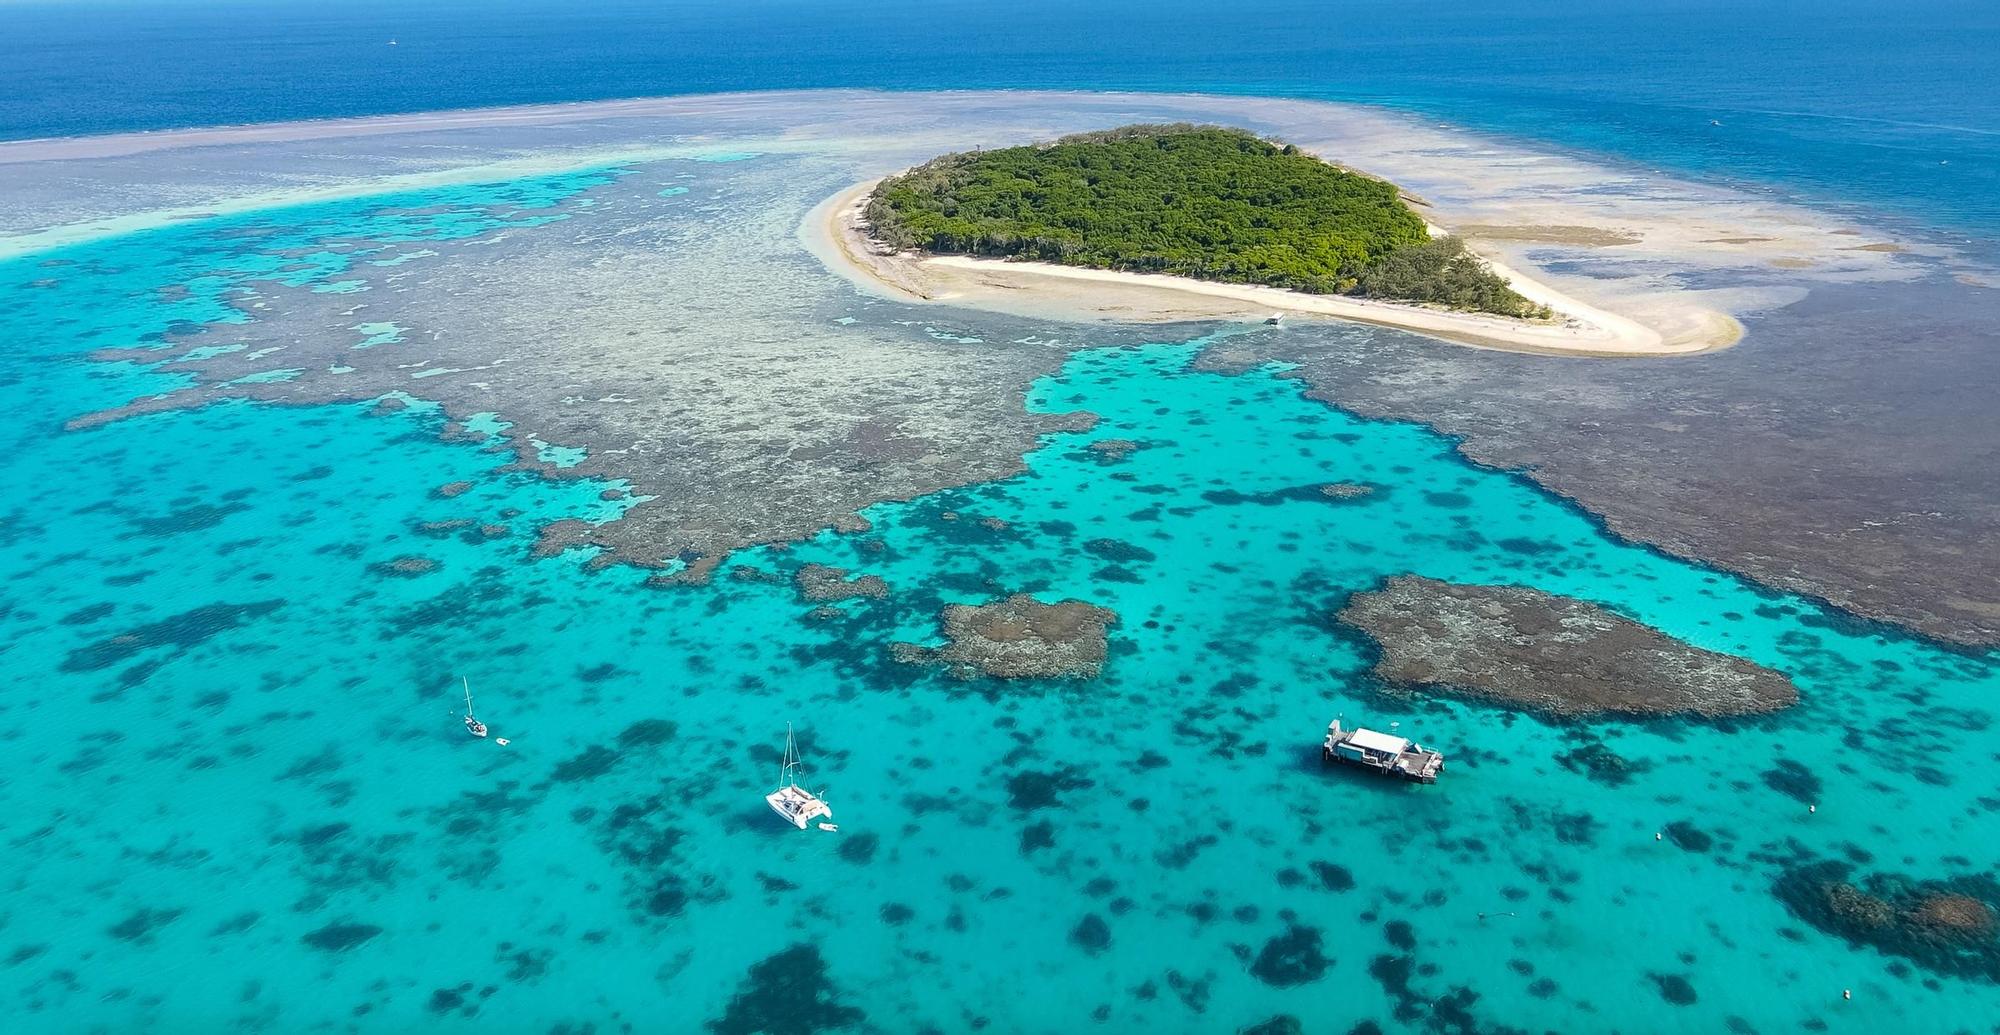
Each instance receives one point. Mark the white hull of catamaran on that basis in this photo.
(798, 807)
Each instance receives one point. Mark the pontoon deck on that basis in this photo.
(1390, 755)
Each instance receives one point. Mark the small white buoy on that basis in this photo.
(502, 741)
(1656, 835)
(1847, 993)
(1812, 808)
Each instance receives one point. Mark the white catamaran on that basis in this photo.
(798, 805)
(472, 725)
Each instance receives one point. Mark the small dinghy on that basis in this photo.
(472, 725)
(798, 805)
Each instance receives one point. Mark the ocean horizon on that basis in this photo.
(1853, 105)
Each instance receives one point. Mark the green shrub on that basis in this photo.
(1444, 272)
(1195, 201)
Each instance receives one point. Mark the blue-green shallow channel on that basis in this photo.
(236, 793)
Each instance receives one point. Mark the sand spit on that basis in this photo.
(838, 232)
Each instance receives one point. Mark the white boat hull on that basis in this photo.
(797, 805)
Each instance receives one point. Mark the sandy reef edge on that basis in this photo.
(836, 231)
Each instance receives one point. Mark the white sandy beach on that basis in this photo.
(837, 232)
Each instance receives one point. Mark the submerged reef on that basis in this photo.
(820, 583)
(789, 993)
(181, 632)
(1557, 655)
(1945, 926)
(1291, 958)
(732, 450)
(1019, 638)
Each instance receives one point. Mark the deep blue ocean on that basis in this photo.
(1891, 105)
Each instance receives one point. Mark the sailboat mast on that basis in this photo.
(468, 694)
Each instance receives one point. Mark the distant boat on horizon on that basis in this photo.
(798, 805)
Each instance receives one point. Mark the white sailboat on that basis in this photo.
(472, 725)
(798, 805)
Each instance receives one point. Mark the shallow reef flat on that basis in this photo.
(1535, 651)
(631, 460)
(1865, 370)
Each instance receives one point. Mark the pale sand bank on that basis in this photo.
(837, 232)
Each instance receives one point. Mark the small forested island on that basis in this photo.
(1206, 202)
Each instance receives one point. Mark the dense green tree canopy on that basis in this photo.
(1197, 201)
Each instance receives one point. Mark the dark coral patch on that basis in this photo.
(1674, 988)
(859, 848)
(1333, 876)
(405, 567)
(593, 762)
(141, 924)
(647, 733)
(90, 613)
(1091, 934)
(523, 965)
(1292, 958)
(236, 924)
(1118, 551)
(1031, 790)
(447, 1000)
(1793, 780)
(193, 518)
(1601, 764)
(1177, 857)
(340, 937)
(181, 632)
(1949, 927)
(1687, 836)
(786, 994)
(1192, 992)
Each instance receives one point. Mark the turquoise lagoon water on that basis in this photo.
(237, 795)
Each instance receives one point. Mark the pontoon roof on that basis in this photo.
(1369, 740)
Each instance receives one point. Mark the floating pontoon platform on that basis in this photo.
(1381, 752)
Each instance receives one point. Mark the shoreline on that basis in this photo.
(835, 232)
